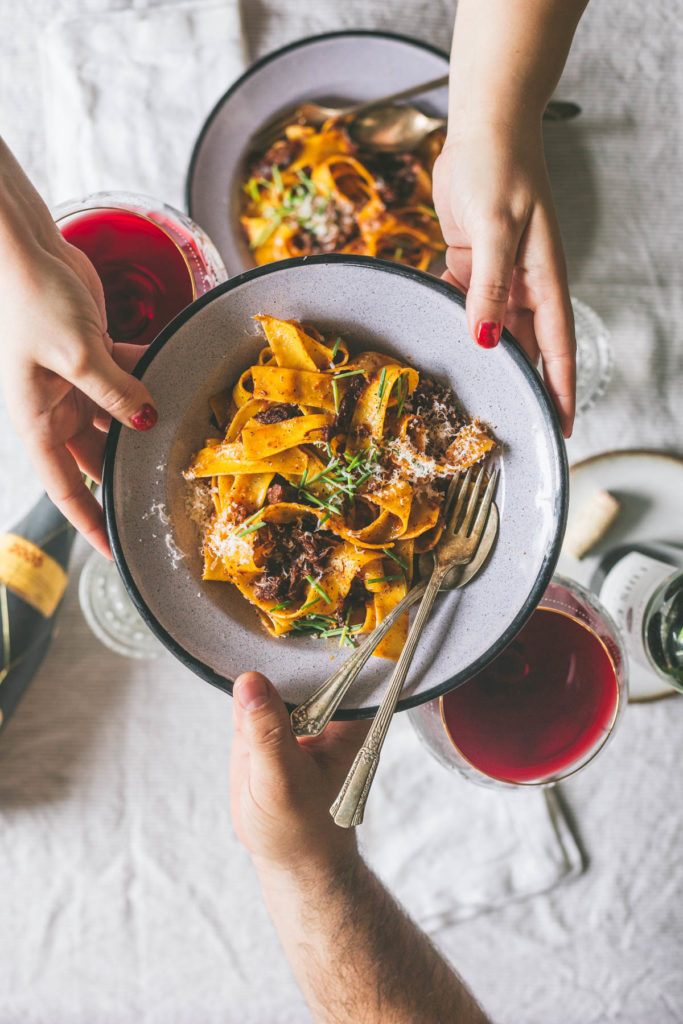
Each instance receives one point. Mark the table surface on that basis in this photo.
(106, 747)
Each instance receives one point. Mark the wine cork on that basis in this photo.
(590, 524)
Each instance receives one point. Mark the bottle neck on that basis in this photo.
(628, 592)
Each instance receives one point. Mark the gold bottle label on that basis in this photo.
(31, 573)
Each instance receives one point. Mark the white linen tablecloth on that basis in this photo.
(124, 893)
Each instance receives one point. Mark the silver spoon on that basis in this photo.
(314, 714)
(393, 129)
(378, 124)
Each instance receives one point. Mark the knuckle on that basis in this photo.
(74, 361)
(502, 223)
(116, 400)
(494, 291)
(274, 735)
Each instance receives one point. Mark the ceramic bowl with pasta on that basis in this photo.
(307, 427)
(327, 482)
(312, 190)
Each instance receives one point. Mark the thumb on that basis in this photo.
(95, 372)
(494, 253)
(263, 720)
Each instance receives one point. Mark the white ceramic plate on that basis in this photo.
(373, 304)
(649, 486)
(340, 67)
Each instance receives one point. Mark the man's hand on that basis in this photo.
(354, 952)
(281, 788)
(493, 199)
(63, 377)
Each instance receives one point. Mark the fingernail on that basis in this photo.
(145, 419)
(252, 693)
(488, 334)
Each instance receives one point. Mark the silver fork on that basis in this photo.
(315, 713)
(457, 546)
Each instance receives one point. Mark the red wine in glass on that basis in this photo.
(544, 706)
(541, 707)
(152, 260)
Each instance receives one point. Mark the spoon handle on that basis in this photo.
(404, 94)
(313, 715)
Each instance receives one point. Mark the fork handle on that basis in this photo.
(314, 714)
(347, 810)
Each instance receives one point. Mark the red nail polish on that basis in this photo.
(145, 419)
(488, 334)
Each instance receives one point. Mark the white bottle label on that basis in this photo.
(626, 592)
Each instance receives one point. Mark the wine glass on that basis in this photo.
(152, 261)
(594, 362)
(544, 708)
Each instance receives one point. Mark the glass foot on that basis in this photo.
(594, 361)
(111, 614)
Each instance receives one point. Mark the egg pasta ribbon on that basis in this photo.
(328, 480)
(315, 191)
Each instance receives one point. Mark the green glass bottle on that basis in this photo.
(642, 587)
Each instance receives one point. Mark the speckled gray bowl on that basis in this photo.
(339, 67)
(373, 304)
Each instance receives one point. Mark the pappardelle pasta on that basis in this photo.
(327, 481)
(316, 192)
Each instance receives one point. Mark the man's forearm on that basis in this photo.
(507, 57)
(357, 956)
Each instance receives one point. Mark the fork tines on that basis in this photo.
(458, 492)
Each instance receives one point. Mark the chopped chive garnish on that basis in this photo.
(304, 475)
(309, 604)
(305, 180)
(335, 392)
(323, 472)
(346, 628)
(279, 607)
(324, 519)
(329, 450)
(251, 518)
(347, 373)
(382, 385)
(336, 348)
(402, 393)
(390, 554)
(314, 621)
(277, 177)
(385, 579)
(321, 504)
(251, 187)
(268, 230)
(320, 590)
(250, 529)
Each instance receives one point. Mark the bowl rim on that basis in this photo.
(560, 504)
(275, 55)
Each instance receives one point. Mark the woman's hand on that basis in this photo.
(493, 199)
(63, 377)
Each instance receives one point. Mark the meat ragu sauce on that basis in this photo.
(316, 191)
(321, 475)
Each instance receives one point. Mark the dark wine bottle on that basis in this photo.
(641, 586)
(34, 558)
